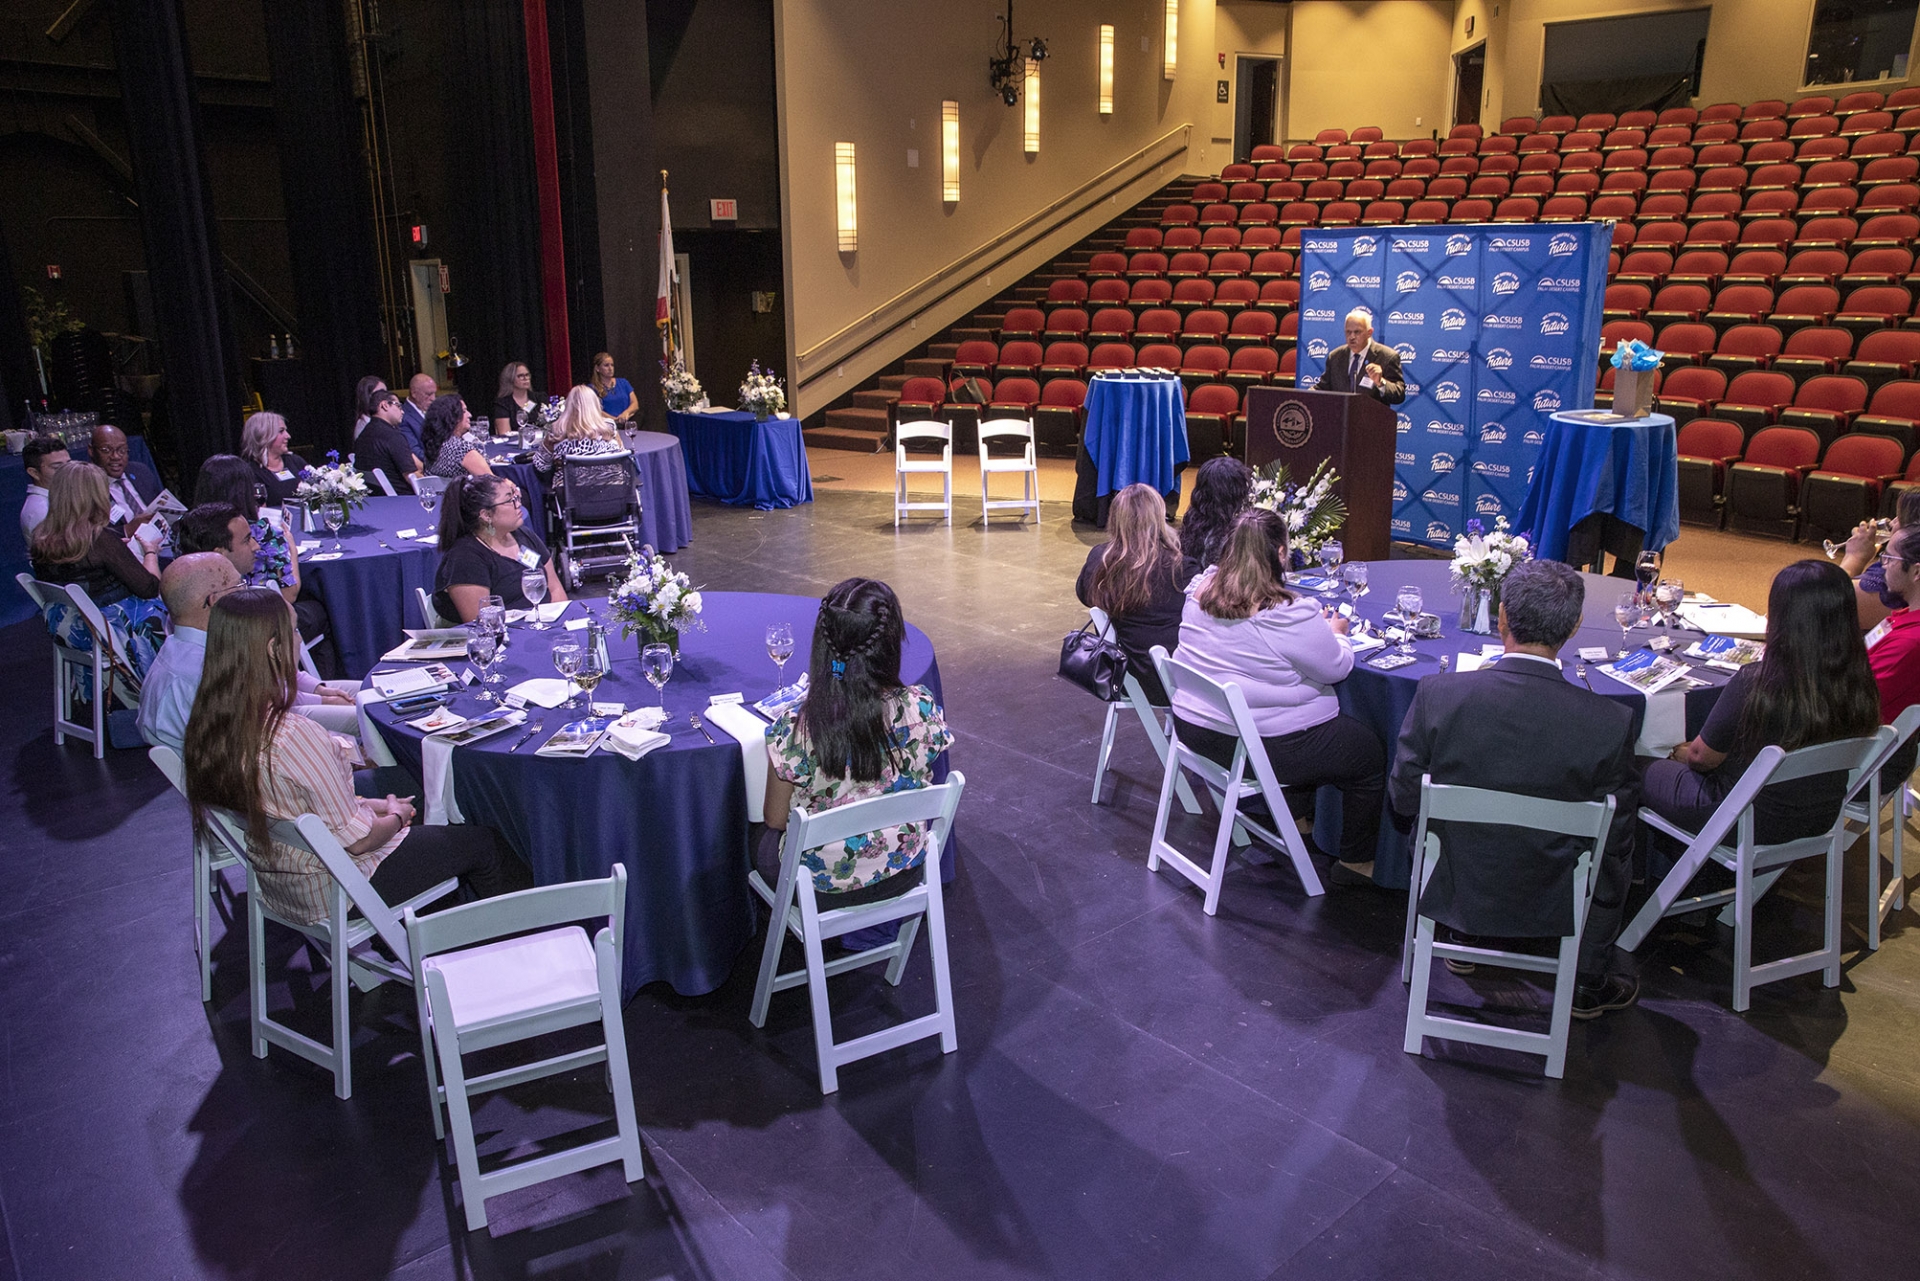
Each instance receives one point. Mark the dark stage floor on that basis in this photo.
(1140, 1091)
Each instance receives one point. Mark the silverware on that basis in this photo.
(531, 731)
(1580, 670)
(702, 728)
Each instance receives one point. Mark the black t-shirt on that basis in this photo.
(1783, 811)
(471, 563)
(385, 446)
(285, 485)
(513, 411)
(1155, 623)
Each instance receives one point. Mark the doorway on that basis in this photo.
(1256, 104)
(1469, 75)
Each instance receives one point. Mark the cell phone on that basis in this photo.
(416, 704)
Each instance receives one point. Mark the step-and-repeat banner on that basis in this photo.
(1497, 327)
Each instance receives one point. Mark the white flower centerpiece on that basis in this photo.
(655, 600)
(1480, 564)
(761, 394)
(334, 484)
(537, 418)
(1313, 512)
(682, 389)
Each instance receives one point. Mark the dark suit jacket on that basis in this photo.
(146, 482)
(1517, 726)
(1392, 385)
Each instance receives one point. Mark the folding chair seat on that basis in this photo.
(1063, 359)
(907, 465)
(1688, 391)
(1683, 343)
(1707, 448)
(1884, 355)
(1251, 366)
(1588, 822)
(105, 668)
(1873, 307)
(1763, 488)
(213, 853)
(797, 913)
(599, 509)
(1893, 411)
(1887, 229)
(1847, 486)
(1056, 419)
(1702, 267)
(1727, 839)
(1804, 305)
(1813, 267)
(1228, 784)
(1211, 408)
(1157, 721)
(1004, 429)
(1201, 365)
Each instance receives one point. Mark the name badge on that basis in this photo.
(529, 558)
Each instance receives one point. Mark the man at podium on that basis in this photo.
(1363, 365)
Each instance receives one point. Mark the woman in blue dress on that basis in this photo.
(616, 394)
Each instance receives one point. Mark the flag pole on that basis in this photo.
(667, 298)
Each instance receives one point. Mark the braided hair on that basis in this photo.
(854, 668)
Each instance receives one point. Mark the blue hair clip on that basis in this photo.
(839, 669)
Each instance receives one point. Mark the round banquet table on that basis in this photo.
(677, 817)
(1380, 699)
(369, 591)
(666, 517)
(743, 462)
(1136, 431)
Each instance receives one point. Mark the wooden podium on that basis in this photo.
(1357, 432)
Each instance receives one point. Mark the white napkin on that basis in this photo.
(549, 612)
(751, 733)
(1665, 724)
(371, 742)
(634, 735)
(436, 782)
(547, 691)
(320, 556)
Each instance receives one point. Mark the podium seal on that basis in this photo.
(1293, 425)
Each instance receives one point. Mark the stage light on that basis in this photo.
(848, 219)
(950, 151)
(1172, 52)
(1106, 69)
(1038, 49)
(1032, 92)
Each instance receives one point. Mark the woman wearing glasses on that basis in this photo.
(486, 545)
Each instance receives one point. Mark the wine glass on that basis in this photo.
(1354, 574)
(1410, 603)
(1626, 612)
(1646, 570)
(1882, 529)
(494, 611)
(429, 498)
(780, 647)
(566, 661)
(1331, 554)
(334, 515)
(592, 667)
(533, 585)
(656, 660)
(1667, 595)
(259, 494)
(482, 648)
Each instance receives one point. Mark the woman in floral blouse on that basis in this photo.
(884, 735)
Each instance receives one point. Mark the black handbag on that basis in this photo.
(1095, 664)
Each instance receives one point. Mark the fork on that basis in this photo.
(531, 731)
(697, 724)
(1580, 670)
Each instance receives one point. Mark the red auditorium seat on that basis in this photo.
(1557, 124)
(1814, 127)
(1616, 206)
(1192, 294)
(1683, 343)
(1623, 139)
(1829, 232)
(1447, 188)
(1066, 322)
(1764, 109)
(1206, 326)
(1626, 302)
(1675, 181)
(1251, 328)
(1383, 213)
(1664, 206)
(1601, 120)
(1252, 365)
(1420, 167)
(1210, 412)
(1771, 204)
(1882, 265)
(1534, 184)
(1813, 351)
(1056, 418)
(1637, 120)
(1765, 130)
(1460, 166)
(1860, 100)
(1268, 151)
(1580, 140)
(1678, 302)
(1105, 264)
(1739, 305)
(1714, 205)
(1767, 233)
(1887, 229)
(1603, 394)
(1207, 193)
(1220, 238)
(1890, 197)
(1809, 151)
(1147, 293)
(1723, 178)
(1615, 332)
(1064, 359)
(1178, 238)
(1271, 264)
(1466, 131)
(1014, 398)
(1202, 363)
(1847, 486)
(1299, 213)
(1755, 398)
(1670, 157)
(1177, 215)
(1289, 332)
(1521, 125)
(1502, 164)
(1883, 356)
(1110, 355)
(1108, 289)
(1259, 214)
(1474, 210)
(1144, 238)
(1426, 212)
(1235, 296)
(1716, 231)
(1237, 173)
(1190, 263)
(1804, 305)
(1873, 306)
(1159, 355)
(1066, 292)
(1536, 142)
(1678, 116)
(1383, 169)
(1633, 159)
(1707, 447)
(1688, 391)
(1890, 169)
(1763, 488)
(1230, 264)
(1406, 189)
(1894, 411)
(974, 358)
(1458, 147)
(1829, 200)
(1811, 105)
(1493, 187)
(1878, 146)
(1418, 147)
(1255, 239)
(1309, 171)
(1571, 161)
(1162, 323)
(1289, 362)
(1660, 234)
(1274, 171)
(1517, 209)
(921, 399)
(1580, 184)
(1698, 267)
(1340, 213)
(1218, 214)
(1745, 347)
(1755, 267)
(1021, 322)
(1648, 267)
(1343, 168)
(1330, 137)
(1279, 297)
(1242, 193)
(1827, 404)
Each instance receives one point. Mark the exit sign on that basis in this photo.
(723, 210)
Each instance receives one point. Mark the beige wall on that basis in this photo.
(1244, 26)
(1358, 63)
(874, 72)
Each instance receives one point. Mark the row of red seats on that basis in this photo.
(1247, 364)
(1828, 405)
(1889, 132)
(1215, 424)
(1674, 202)
(1788, 480)
(1880, 356)
(1272, 284)
(1542, 180)
(1248, 328)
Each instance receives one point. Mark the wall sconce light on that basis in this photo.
(950, 151)
(847, 218)
(1106, 69)
(1172, 51)
(1031, 92)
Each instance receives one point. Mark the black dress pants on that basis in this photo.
(1340, 753)
(478, 856)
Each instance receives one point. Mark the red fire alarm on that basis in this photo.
(418, 234)
(53, 271)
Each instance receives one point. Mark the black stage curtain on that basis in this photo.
(323, 178)
(191, 303)
(17, 382)
(627, 185)
(1641, 93)
(579, 200)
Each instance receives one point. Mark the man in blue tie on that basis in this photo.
(413, 413)
(1363, 365)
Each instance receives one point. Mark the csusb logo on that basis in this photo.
(1459, 282)
(1411, 246)
(1317, 348)
(1453, 318)
(1493, 433)
(1311, 314)
(1511, 244)
(1554, 323)
(1447, 393)
(1506, 283)
(1440, 464)
(1406, 351)
(1559, 285)
(1322, 246)
(1448, 356)
(1365, 246)
(1407, 318)
(1486, 505)
(1406, 282)
(1551, 362)
(1535, 438)
(1441, 427)
(1403, 456)
(1363, 282)
(1457, 245)
(1445, 500)
(1499, 358)
(1318, 281)
(1402, 424)
(1562, 245)
(1438, 531)
(1496, 396)
(1401, 525)
(1502, 322)
(1499, 471)
(1547, 402)
(1399, 491)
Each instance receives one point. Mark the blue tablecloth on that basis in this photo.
(1136, 431)
(744, 463)
(676, 817)
(533, 486)
(666, 518)
(1628, 470)
(1381, 698)
(369, 592)
(14, 604)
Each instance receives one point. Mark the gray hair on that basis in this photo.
(1543, 599)
(1360, 313)
(258, 433)
(509, 372)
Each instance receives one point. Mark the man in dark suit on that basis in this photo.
(1519, 726)
(1363, 365)
(132, 486)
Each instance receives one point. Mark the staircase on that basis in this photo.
(860, 420)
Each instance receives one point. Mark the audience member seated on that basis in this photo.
(44, 455)
(1869, 570)
(1139, 577)
(244, 753)
(385, 446)
(263, 442)
(76, 545)
(1893, 646)
(1814, 685)
(583, 429)
(448, 451)
(1519, 726)
(1220, 491)
(858, 733)
(513, 399)
(1241, 624)
(222, 529)
(486, 545)
(131, 486)
(617, 398)
(413, 414)
(363, 393)
(276, 564)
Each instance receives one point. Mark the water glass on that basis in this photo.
(429, 498)
(1331, 554)
(566, 661)
(1646, 570)
(1354, 575)
(1410, 603)
(483, 647)
(1626, 612)
(1667, 596)
(533, 585)
(493, 610)
(656, 660)
(334, 515)
(780, 647)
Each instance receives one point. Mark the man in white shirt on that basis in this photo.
(44, 455)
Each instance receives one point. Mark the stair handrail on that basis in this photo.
(986, 258)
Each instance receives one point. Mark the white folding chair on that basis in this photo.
(107, 665)
(797, 912)
(906, 466)
(1229, 785)
(1756, 867)
(356, 913)
(1589, 821)
(429, 484)
(487, 980)
(212, 854)
(428, 614)
(386, 486)
(1865, 809)
(1149, 720)
(1022, 465)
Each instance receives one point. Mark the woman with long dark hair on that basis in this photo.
(1220, 492)
(858, 733)
(363, 394)
(486, 547)
(1241, 624)
(245, 754)
(1814, 685)
(443, 435)
(1139, 578)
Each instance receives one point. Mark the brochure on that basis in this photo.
(414, 680)
(1727, 652)
(424, 644)
(472, 731)
(1646, 671)
(577, 738)
(775, 705)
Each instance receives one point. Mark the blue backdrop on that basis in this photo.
(1497, 327)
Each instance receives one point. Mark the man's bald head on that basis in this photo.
(192, 583)
(422, 390)
(108, 450)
